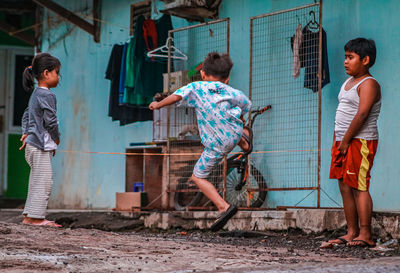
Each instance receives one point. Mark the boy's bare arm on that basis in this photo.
(167, 101)
(369, 93)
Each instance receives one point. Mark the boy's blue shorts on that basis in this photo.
(208, 160)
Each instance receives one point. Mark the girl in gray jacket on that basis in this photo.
(40, 135)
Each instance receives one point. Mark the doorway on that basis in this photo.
(14, 171)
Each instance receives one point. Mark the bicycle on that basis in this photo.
(239, 191)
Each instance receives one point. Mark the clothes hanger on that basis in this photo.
(312, 24)
(298, 19)
(175, 53)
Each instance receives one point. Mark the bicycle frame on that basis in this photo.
(244, 157)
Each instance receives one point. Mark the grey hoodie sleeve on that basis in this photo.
(25, 121)
(49, 106)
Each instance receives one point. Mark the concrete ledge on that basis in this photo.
(384, 225)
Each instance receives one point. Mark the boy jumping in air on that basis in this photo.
(356, 140)
(219, 110)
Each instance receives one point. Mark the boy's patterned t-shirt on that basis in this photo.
(218, 109)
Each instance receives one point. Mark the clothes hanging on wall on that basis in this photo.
(124, 113)
(133, 81)
(135, 78)
(122, 76)
(145, 78)
(309, 59)
(298, 39)
(150, 34)
(113, 74)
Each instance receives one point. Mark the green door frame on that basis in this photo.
(12, 133)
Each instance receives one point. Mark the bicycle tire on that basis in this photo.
(183, 200)
(239, 197)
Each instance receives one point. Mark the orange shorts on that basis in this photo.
(354, 167)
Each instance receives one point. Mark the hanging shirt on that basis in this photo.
(145, 75)
(150, 34)
(309, 53)
(113, 74)
(122, 76)
(218, 108)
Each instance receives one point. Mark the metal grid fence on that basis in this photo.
(287, 137)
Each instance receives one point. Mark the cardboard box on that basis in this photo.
(129, 201)
(178, 79)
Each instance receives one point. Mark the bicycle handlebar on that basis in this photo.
(260, 111)
(257, 112)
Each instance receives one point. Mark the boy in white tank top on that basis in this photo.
(355, 141)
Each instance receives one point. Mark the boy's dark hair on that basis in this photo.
(217, 65)
(362, 47)
(40, 63)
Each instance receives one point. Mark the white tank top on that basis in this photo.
(347, 109)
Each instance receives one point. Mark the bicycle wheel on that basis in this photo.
(239, 197)
(183, 200)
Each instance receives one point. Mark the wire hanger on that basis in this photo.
(298, 19)
(312, 24)
(175, 53)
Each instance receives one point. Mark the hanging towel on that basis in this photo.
(298, 39)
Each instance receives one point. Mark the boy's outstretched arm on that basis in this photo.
(171, 99)
(369, 94)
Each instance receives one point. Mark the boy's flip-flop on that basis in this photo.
(343, 241)
(361, 243)
(248, 138)
(223, 218)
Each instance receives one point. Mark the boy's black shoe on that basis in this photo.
(223, 218)
(249, 138)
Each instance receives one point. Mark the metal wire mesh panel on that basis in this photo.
(197, 41)
(184, 142)
(286, 137)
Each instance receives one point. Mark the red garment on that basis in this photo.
(354, 167)
(150, 33)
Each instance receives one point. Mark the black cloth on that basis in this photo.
(125, 114)
(113, 74)
(309, 59)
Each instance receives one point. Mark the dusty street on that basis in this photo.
(38, 249)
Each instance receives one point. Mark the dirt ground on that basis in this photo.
(104, 242)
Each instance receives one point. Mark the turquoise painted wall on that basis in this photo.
(378, 20)
(91, 180)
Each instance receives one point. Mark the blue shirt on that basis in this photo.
(218, 108)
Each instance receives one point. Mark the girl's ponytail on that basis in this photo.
(28, 80)
(40, 63)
